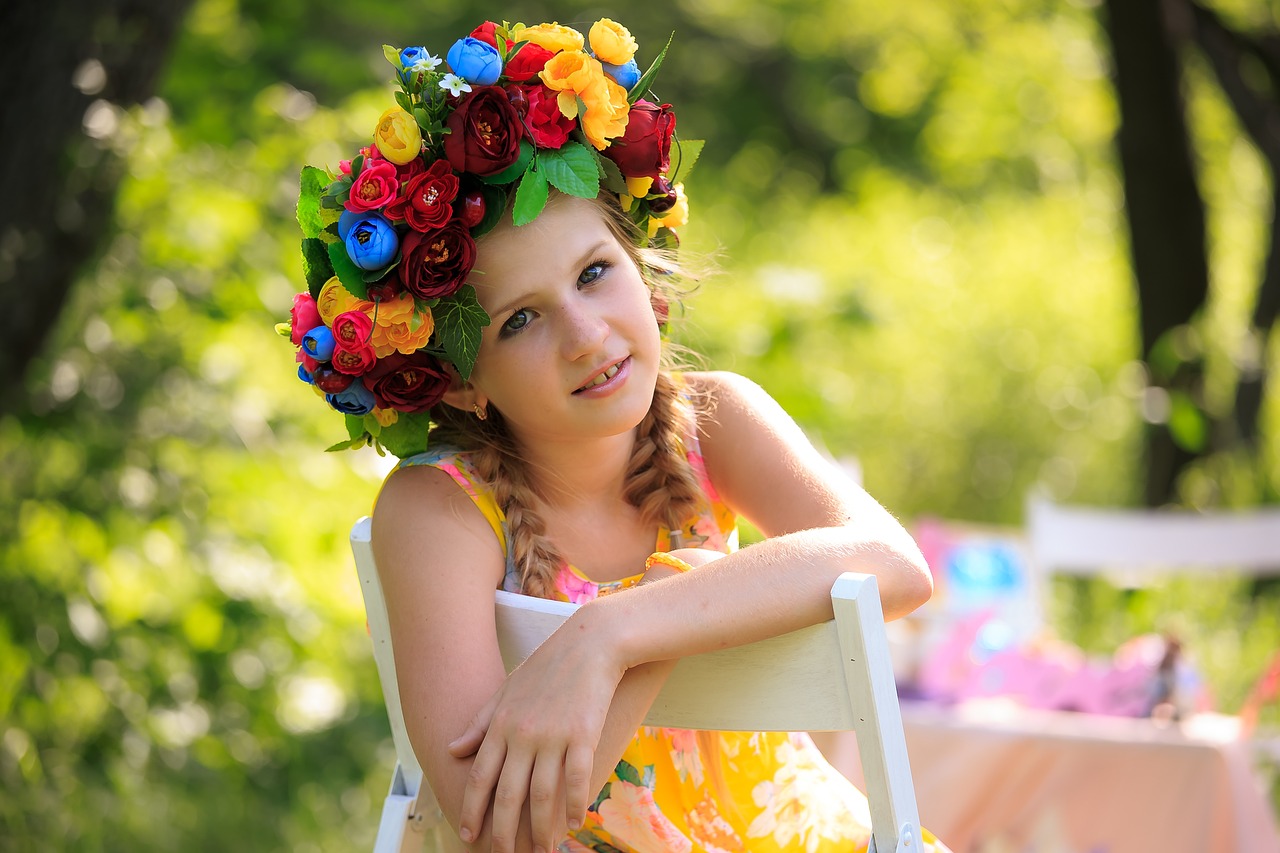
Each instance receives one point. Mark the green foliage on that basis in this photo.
(462, 316)
(922, 240)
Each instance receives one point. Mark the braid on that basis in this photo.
(660, 482)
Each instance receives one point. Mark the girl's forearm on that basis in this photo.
(768, 589)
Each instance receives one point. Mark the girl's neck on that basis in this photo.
(571, 474)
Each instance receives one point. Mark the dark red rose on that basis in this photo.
(547, 126)
(644, 151)
(484, 133)
(407, 383)
(526, 64)
(436, 263)
(427, 200)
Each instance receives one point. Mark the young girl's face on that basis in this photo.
(572, 351)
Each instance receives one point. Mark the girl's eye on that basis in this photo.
(593, 271)
(515, 322)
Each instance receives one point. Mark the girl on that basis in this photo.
(567, 460)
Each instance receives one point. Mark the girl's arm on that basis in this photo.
(439, 564)
(820, 525)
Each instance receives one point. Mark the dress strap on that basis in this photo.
(461, 468)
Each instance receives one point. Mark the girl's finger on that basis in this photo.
(469, 741)
(545, 800)
(479, 789)
(508, 801)
(578, 762)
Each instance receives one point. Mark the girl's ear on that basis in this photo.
(461, 394)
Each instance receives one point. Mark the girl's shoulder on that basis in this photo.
(721, 398)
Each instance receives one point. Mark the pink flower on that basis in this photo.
(303, 317)
(377, 186)
(631, 816)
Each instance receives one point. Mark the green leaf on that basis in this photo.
(372, 276)
(459, 319)
(351, 276)
(357, 163)
(421, 117)
(646, 79)
(611, 175)
(595, 807)
(393, 56)
(371, 424)
(403, 100)
(355, 425)
(687, 153)
(352, 444)
(517, 168)
(531, 197)
(407, 436)
(311, 186)
(495, 203)
(316, 264)
(571, 169)
(628, 773)
(1188, 427)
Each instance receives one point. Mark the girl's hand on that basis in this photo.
(535, 741)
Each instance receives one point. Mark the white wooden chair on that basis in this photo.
(828, 677)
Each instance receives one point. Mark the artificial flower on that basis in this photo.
(678, 214)
(318, 343)
(644, 149)
(351, 329)
(437, 263)
(454, 85)
(418, 59)
(398, 137)
(626, 75)
(354, 361)
(484, 133)
(372, 242)
(375, 186)
(548, 126)
(553, 37)
(303, 317)
(355, 399)
(385, 417)
(611, 42)
(334, 299)
(402, 337)
(474, 61)
(570, 73)
(526, 63)
(407, 383)
(427, 199)
(607, 112)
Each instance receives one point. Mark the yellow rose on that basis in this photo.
(676, 216)
(569, 74)
(385, 417)
(397, 310)
(553, 37)
(334, 299)
(611, 42)
(397, 136)
(607, 110)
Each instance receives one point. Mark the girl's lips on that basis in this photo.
(609, 385)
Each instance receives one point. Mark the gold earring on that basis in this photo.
(482, 414)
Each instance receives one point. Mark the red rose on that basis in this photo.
(303, 317)
(353, 361)
(644, 150)
(484, 32)
(425, 203)
(548, 127)
(484, 133)
(526, 64)
(407, 383)
(377, 185)
(436, 263)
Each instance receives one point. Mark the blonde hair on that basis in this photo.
(659, 480)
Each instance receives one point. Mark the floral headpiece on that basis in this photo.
(389, 240)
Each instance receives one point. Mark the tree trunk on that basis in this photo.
(1165, 211)
(58, 59)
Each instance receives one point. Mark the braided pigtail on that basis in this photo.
(499, 464)
(660, 482)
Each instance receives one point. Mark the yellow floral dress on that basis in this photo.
(679, 791)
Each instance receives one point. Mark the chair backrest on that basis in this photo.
(1143, 542)
(836, 676)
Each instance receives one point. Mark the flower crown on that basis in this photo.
(389, 240)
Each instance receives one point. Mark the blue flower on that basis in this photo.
(626, 76)
(319, 343)
(304, 375)
(355, 400)
(418, 59)
(475, 61)
(346, 220)
(371, 242)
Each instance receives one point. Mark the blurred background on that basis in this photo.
(919, 214)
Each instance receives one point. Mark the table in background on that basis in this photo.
(995, 777)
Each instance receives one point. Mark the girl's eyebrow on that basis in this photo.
(586, 257)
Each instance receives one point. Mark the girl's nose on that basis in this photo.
(585, 331)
